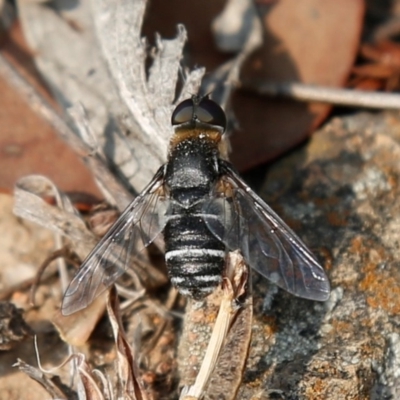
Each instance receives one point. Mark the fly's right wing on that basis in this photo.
(243, 221)
(137, 227)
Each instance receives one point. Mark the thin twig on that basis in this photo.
(343, 97)
(63, 252)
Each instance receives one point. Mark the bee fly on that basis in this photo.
(204, 210)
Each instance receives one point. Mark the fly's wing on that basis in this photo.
(242, 220)
(136, 228)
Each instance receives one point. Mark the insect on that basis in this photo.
(203, 209)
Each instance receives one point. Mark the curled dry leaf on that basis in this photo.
(128, 371)
(30, 193)
(237, 342)
(64, 219)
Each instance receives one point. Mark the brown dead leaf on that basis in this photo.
(302, 43)
(27, 143)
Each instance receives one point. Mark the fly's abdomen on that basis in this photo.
(194, 257)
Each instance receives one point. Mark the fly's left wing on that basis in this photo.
(242, 220)
(135, 229)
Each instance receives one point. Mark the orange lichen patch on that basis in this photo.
(211, 317)
(316, 389)
(257, 383)
(382, 290)
(343, 327)
(389, 301)
(370, 250)
(199, 316)
(333, 388)
(356, 245)
(367, 322)
(331, 380)
(373, 349)
(270, 326)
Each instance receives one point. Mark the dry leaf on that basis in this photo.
(302, 43)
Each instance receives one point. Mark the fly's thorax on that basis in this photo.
(192, 166)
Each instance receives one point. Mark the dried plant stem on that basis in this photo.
(55, 391)
(343, 97)
(224, 319)
(233, 287)
(62, 252)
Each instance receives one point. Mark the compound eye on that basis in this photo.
(209, 112)
(199, 109)
(183, 112)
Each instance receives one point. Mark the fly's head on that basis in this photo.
(198, 118)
